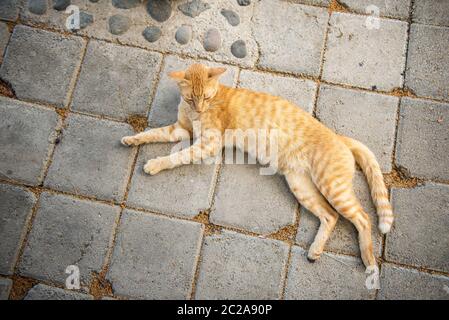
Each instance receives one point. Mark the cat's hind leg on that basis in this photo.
(171, 133)
(310, 197)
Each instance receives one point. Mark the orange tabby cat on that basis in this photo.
(317, 163)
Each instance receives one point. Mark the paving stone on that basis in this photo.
(422, 220)
(119, 24)
(61, 5)
(183, 191)
(344, 239)
(365, 116)
(238, 49)
(9, 9)
(431, 12)
(40, 65)
(406, 284)
(236, 266)
(294, 46)
(427, 63)
(423, 143)
(377, 56)
(333, 277)
(37, 6)
(183, 34)
(164, 108)
(212, 40)
(44, 292)
(5, 288)
(15, 208)
(4, 38)
(67, 231)
(25, 130)
(385, 8)
(112, 81)
(269, 206)
(103, 10)
(159, 10)
(299, 91)
(90, 159)
(232, 17)
(152, 33)
(154, 257)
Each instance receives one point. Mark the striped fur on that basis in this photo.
(318, 164)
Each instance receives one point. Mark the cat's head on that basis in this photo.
(198, 85)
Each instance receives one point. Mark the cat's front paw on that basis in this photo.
(152, 167)
(130, 141)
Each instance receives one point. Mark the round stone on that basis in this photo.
(37, 6)
(119, 24)
(232, 17)
(244, 3)
(86, 19)
(159, 10)
(61, 5)
(212, 40)
(152, 34)
(238, 49)
(193, 8)
(94, 1)
(125, 4)
(183, 34)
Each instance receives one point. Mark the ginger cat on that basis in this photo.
(317, 163)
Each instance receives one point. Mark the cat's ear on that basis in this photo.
(179, 77)
(215, 73)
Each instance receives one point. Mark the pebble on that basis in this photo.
(119, 24)
(238, 49)
(244, 2)
(159, 10)
(183, 34)
(125, 4)
(61, 5)
(37, 6)
(232, 17)
(212, 40)
(193, 8)
(94, 1)
(85, 19)
(152, 34)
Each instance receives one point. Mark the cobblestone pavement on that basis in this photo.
(70, 194)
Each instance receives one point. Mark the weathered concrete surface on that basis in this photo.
(433, 12)
(15, 209)
(48, 63)
(44, 292)
(5, 288)
(154, 257)
(236, 266)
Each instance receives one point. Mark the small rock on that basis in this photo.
(37, 6)
(61, 5)
(244, 3)
(125, 4)
(85, 19)
(238, 49)
(193, 8)
(152, 34)
(94, 1)
(232, 17)
(212, 40)
(119, 24)
(183, 34)
(159, 10)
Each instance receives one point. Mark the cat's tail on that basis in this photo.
(370, 167)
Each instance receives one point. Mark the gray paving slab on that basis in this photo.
(4, 38)
(364, 116)
(427, 63)
(377, 55)
(293, 47)
(16, 204)
(67, 231)
(431, 12)
(9, 9)
(422, 142)
(397, 283)
(422, 218)
(236, 266)
(89, 159)
(26, 135)
(41, 65)
(154, 257)
(384, 8)
(44, 292)
(334, 277)
(5, 288)
(116, 81)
